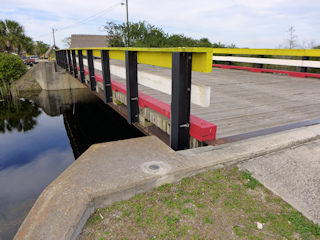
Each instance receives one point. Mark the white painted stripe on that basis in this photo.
(200, 95)
(286, 62)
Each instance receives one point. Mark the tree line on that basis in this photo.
(143, 34)
(14, 39)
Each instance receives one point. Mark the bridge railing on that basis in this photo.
(302, 58)
(182, 61)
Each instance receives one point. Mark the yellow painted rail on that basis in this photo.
(162, 57)
(275, 52)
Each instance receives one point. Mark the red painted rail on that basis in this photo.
(199, 129)
(261, 70)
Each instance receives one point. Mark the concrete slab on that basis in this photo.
(292, 174)
(105, 173)
(115, 171)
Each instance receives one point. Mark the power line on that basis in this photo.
(86, 20)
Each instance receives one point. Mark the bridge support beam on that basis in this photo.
(92, 77)
(69, 61)
(74, 60)
(180, 100)
(65, 61)
(105, 63)
(132, 86)
(304, 69)
(81, 67)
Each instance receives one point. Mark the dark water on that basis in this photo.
(38, 143)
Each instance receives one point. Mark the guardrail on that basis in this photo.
(263, 56)
(181, 60)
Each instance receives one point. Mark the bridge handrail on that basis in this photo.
(161, 57)
(181, 60)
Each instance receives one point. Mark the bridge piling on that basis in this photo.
(105, 63)
(132, 86)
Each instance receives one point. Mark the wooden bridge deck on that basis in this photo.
(243, 101)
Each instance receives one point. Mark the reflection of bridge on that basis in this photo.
(241, 103)
(86, 119)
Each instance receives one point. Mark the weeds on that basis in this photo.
(219, 204)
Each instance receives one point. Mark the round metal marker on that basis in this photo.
(154, 167)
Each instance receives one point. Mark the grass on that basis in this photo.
(221, 204)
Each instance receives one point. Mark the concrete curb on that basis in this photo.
(114, 171)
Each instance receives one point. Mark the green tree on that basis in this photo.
(11, 67)
(12, 37)
(67, 41)
(179, 40)
(143, 34)
(204, 42)
(41, 48)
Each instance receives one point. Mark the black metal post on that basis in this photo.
(81, 68)
(92, 77)
(75, 70)
(58, 58)
(132, 86)
(304, 69)
(65, 61)
(69, 61)
(260, 65)
(229, 62)
(105, 63)
(180, 100)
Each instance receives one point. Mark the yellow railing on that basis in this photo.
(162, 57)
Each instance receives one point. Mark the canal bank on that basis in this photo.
(41, 134)
(114, 171)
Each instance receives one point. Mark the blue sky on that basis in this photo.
(246, 23)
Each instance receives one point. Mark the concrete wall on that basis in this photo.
(50, 76)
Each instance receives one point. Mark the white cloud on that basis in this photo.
(20, 182)
(233, 21)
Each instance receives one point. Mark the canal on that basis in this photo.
(39, 139)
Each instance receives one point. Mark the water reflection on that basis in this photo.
(39, 141)
(34, 150)
(18, 114)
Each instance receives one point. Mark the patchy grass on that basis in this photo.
(221, 204)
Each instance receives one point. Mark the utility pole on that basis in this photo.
(127, 20)
(54, 41)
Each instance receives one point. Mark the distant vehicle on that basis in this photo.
(35, 58)
(31, 60)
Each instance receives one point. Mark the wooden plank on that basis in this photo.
(275, 52)
(286, 62)
(200, 94)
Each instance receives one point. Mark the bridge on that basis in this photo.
(235, 93)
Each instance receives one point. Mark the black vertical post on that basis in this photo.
(58, 57)
(105, 63)
(92, 77)
(65, 61)
(260, 65)
(229, 62)
(132, 86)
(81, 68)
(75, 70)
(69, 61)
(304, 69)
(180, 100)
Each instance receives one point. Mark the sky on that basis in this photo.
(246, 23)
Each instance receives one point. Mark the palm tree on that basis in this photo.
(12, 36)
